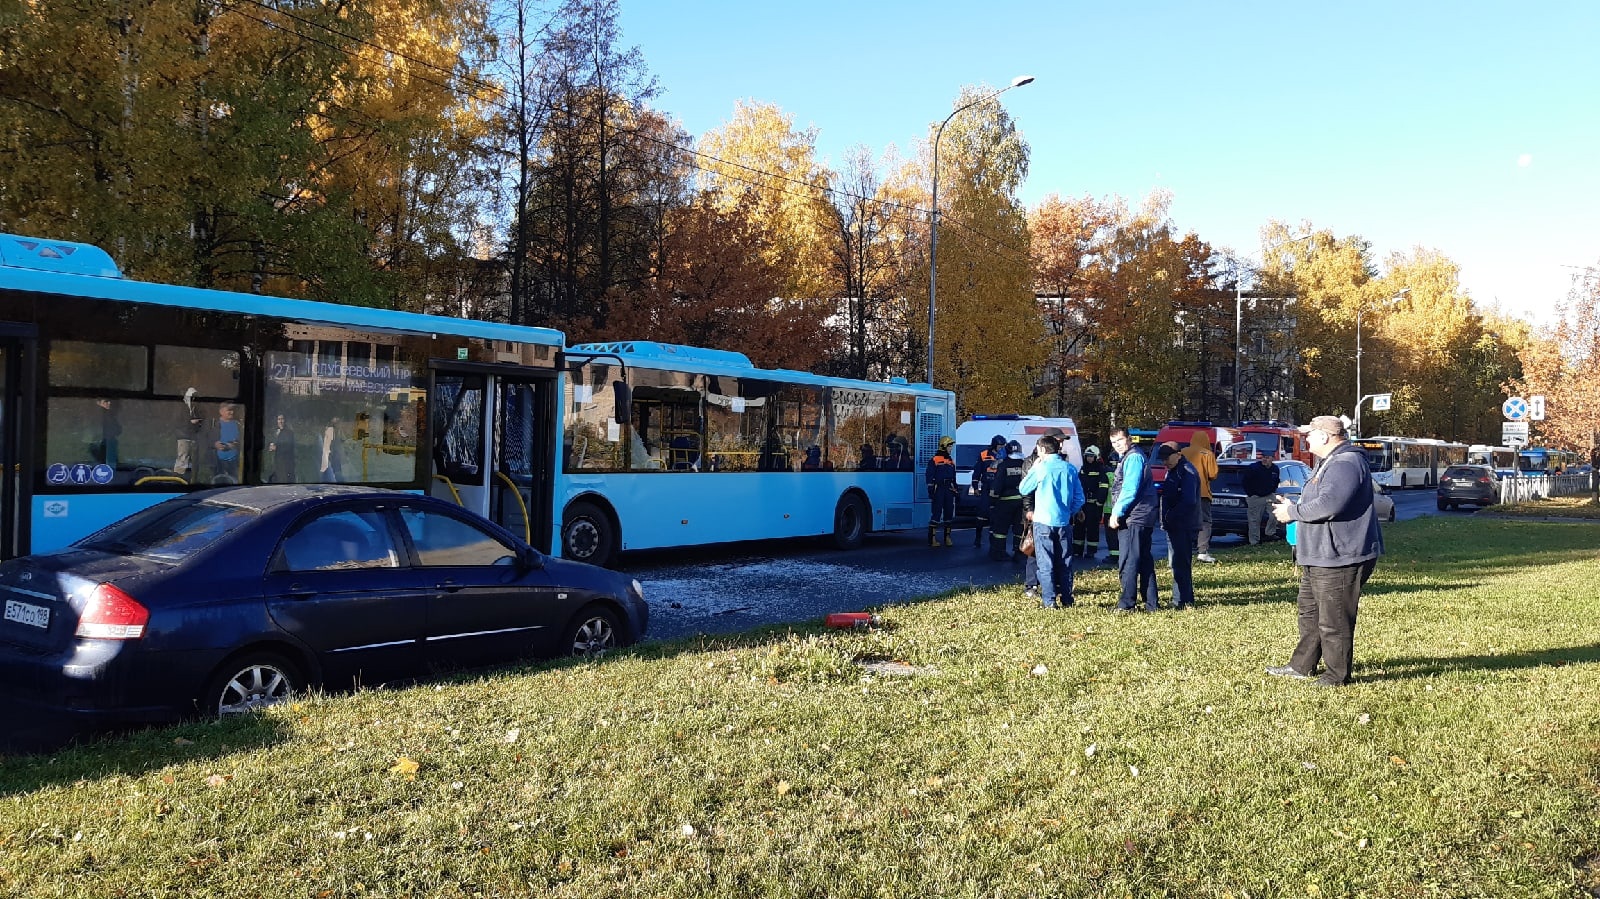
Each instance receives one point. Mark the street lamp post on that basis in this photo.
(1360, 398)
(933, 232)
(1238, 324)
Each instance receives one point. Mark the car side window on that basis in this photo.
(1291, 476)
(443, 539)
(345, 539)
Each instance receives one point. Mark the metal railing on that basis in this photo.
(1523, 488)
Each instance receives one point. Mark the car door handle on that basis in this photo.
(296, 591)
(450, 586)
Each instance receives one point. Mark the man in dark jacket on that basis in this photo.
(1132, 517)
(1337, 544)
(982, 478)
(1005, 503)
(1096, 480)
(1260, 483)
(1181, 519)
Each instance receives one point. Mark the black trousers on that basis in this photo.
(1328, 602)
(1005, 519)
(1086, 531)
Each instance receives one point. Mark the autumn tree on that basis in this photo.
(1329, 279)
(760, 161)
(1138, 350)
(1069, 275)
(862, 264)
(1562, 363)
(252, 146)
(607, 163)
(718, 286)
(989, 346)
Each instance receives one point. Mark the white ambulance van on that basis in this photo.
(973, 436)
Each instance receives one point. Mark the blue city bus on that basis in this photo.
(1544, 460)
(116, 394)
(711, 449)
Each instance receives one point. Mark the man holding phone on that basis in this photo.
(1337, 545)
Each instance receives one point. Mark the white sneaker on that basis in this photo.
(1207, 558)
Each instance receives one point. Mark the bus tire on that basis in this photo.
(588, 534)
(849, 522)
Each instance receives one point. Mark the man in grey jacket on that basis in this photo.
(1337, 544)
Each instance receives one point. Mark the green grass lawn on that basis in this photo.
(1025, 753)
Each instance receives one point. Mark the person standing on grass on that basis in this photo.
(1180, 518)
(1260, 483)
(1057, 500)
(1030, 563)
(1133, 519)
(1337, 545)
(1204, 461)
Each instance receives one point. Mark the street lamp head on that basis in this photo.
(1020, 80)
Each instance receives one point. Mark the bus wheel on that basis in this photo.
(849, 522)
(587, 534)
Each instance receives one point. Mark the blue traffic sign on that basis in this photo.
(1515, 408)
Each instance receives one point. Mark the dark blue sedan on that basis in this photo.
(228, 600)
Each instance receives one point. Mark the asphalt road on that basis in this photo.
(735, 587)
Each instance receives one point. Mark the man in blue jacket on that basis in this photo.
(1337, 544)
(1133, 520)
(1181, 518)
(1057, 499)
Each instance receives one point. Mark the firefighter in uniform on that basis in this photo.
(1005, 503)
(982, 478)
(1096, 481)
(941, 478)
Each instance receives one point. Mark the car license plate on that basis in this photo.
(27, 613)
(1227, 501)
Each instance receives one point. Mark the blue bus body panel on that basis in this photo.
(664, 509)
(61, 518)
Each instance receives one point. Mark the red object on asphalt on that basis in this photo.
(847, 620)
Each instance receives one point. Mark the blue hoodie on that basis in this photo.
(1058, 495)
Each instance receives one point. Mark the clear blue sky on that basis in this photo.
(1470, 127)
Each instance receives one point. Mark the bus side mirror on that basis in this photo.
(622, 396)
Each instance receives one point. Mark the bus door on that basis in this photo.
(492, 436)
(931, 425)
(16, 409)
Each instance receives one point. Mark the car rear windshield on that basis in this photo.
(171, 530)
(1230, 479)
(1465, 471)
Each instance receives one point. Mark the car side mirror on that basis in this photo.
(530, 558)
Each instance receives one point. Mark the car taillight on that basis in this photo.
(112, 615)
(1483, 480)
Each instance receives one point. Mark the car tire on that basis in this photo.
(593, 633)
(250, 682)
(1394, 513)
(849, 522)
(1442, 505)
(588, 534)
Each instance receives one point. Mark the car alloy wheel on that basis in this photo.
(593, 633)
(251, 683)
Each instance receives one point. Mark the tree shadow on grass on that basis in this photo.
(1407, 667)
